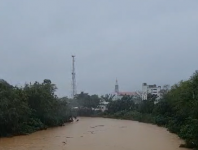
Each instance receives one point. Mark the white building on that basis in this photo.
(150, 89)
(103, 106)
(118, 95)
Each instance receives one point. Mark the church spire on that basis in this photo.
(116, 86)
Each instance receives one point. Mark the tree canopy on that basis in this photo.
(32, 107)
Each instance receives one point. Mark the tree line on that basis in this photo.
(177, 110)
(30, 108)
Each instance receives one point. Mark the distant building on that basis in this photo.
(103, 106)
(118, 95)
(150, 89)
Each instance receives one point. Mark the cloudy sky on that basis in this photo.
(135, 41)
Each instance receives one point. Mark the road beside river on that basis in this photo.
(96, 134)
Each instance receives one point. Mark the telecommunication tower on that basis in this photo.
(74, 91)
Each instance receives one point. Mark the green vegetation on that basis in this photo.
(177, 110)
(87, 105)
(30, 108)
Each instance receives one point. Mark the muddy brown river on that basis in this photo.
(96, 134)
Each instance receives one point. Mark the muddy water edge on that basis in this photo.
(96, 134)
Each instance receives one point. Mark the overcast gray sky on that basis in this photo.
(136, 41)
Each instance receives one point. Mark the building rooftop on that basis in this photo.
(104, 103)
(127, 93)
(152, 86)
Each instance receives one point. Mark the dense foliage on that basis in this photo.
(177, 110)
(86, 104)
(124, 104)
(85, 100)
(30, 108)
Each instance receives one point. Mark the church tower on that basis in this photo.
(116, 87)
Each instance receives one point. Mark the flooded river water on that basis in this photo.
(96, 134)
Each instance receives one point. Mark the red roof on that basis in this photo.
(127, 93)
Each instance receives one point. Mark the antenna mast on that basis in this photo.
(73, 77)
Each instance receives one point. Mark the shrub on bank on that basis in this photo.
(132, 115)
(189, 131)
(27, 109)
(160, 120)
(87, 112)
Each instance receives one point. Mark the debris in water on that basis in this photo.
(123, 127)
(98, 126)
(92, 132)
(64, 143)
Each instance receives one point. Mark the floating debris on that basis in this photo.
(64, 143)
(123, 127)
(92, 132)
(98, 126)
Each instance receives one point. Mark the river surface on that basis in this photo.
(96, 134)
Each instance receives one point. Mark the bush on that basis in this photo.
(189, 132)
(30, 108)
(86, 112)
(132, 115)
(160, 120)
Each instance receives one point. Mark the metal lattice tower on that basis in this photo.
(74, 91)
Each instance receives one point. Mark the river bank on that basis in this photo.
(146, 118)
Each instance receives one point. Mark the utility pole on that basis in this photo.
(74, 91)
